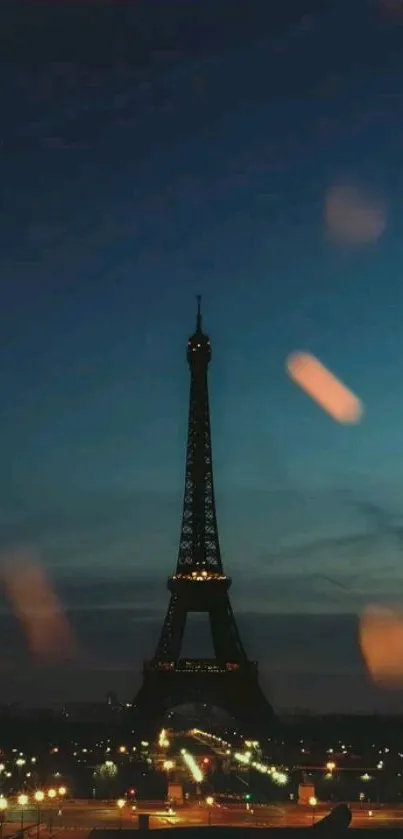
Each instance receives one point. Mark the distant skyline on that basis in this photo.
(127, 193)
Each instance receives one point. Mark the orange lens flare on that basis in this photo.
(323, 387)
(353, 218)
(38, 608)
(381, 643)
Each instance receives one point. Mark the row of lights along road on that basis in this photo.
(23, 800)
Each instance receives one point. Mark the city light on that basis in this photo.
(242, 758)
(191, 764)
(344, 758)
(163, 741)
(278, 777)
(168, 765)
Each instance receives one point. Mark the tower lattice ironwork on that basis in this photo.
(229, 680)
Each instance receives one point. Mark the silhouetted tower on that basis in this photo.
(199, 584)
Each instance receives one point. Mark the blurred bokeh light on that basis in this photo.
(352, 217)
(381, 642)
(38, 608)
(323, 387)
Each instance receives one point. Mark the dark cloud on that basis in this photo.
(76, 91)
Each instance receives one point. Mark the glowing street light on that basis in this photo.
(3, 808)
(330, 766)
(52, 795)
(312, 803)
(62, 791)
(210, 803)
(120, 804)
(39, 796)
(22, 801)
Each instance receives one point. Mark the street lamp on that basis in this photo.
(209, 802)
(39, 796)
(3, 808)
(23, 801)
(168, 765)
(312, 803)
(120, 803)
(61, 793)
(52, 795)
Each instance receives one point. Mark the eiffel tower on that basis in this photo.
(228, 681)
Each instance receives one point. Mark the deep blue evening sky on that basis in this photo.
(126, 190)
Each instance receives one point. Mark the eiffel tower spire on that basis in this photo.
(199, 547)
(198, 317)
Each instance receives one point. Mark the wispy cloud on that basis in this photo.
(289, 566)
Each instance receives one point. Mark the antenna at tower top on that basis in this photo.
(199, 317)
